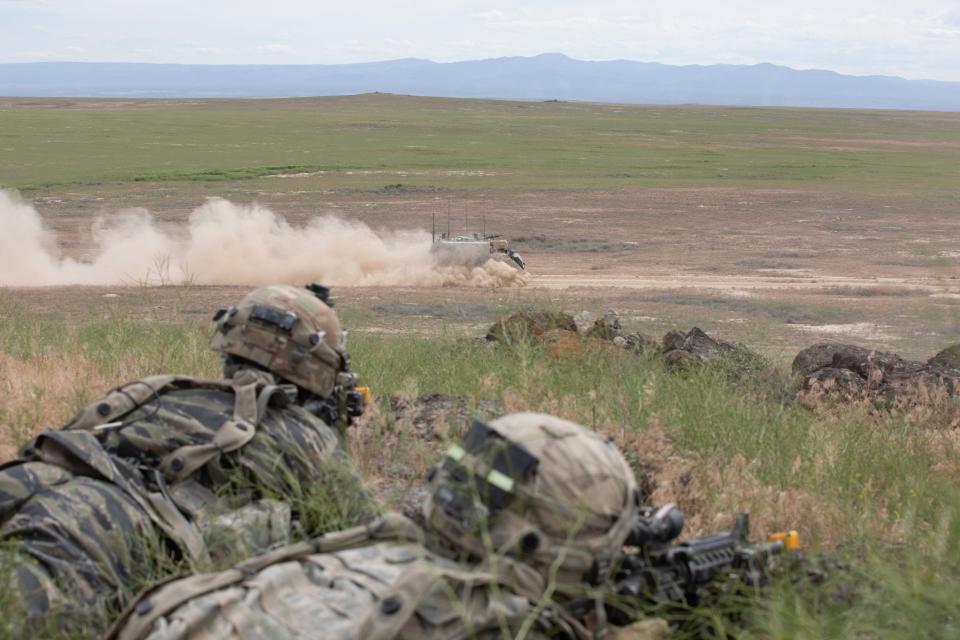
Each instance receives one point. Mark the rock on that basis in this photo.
(672, 341)
(639, 342)
(846, 356)
(847, 373)
(814, 358)
(696, 343)
(874, 364)
(949, 358)
(697, 346)
(679, 358)
(841, 385)
(565, 334)
(927, 387)
(608, 327)
(733, 361)
(584, 322)
(530, 324)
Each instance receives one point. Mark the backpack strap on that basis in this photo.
(234, 433)
(121, 401)
(182, 462)
(164, 597)
(253, 393)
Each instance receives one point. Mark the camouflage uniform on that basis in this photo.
(179, 469)
(527, 517)
(349, 585)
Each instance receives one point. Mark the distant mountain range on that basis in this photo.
(543, 77)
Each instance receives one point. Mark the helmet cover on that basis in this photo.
(288, 331)
(544, 490)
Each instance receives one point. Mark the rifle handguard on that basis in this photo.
(664, 571)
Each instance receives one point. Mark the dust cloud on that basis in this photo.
(226, 243)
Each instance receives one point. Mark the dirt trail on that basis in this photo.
(733, 283)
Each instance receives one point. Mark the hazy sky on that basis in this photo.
(911, 38)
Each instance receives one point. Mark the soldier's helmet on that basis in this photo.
(539, 489)
(289, 331)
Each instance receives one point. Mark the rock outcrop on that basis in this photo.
(695, 347)
(606, 328)
(949, 358)
(848, 373)
(531, 324)
(566, 334)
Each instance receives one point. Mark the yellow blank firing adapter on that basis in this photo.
(366, 393)
(790, 539)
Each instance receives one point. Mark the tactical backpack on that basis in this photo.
(142, 441)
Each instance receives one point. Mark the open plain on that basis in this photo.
(770, 225)
(777, 228)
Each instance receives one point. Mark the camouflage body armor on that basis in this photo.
(213, 466)
(173, 470)
(378, 581)
(525, 521)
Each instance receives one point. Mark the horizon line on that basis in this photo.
(507, 57)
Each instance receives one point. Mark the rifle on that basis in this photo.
(663, 572)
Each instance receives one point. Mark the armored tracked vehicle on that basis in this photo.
(473, 250)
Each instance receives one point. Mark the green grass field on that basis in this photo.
(528, 145)
(878, 495)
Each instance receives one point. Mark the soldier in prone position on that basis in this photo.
(184, 469)
(528, 515)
